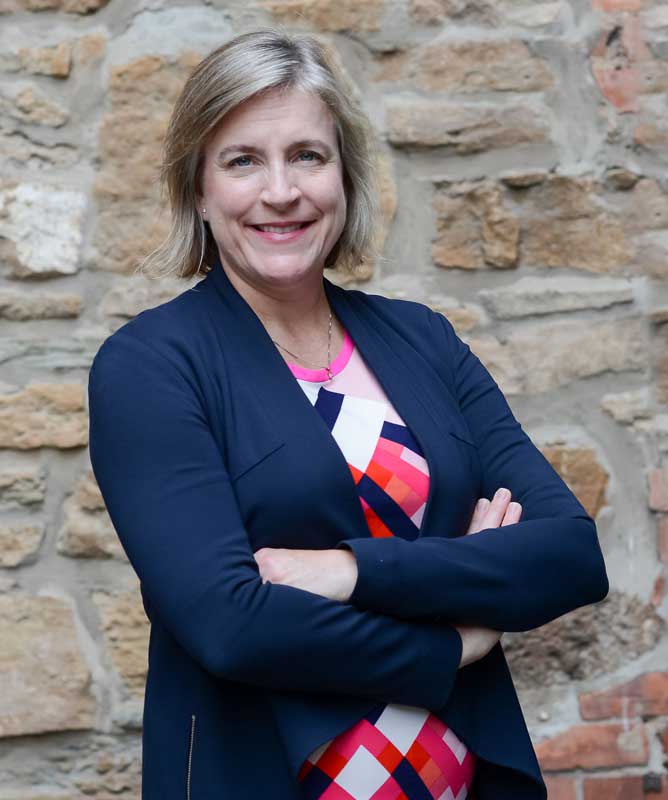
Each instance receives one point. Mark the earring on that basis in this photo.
(204, 211)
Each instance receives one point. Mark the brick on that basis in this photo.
(617, 5)
(594, 746)
(662, 539)
(616, 63)
(658, 489)
(560, 787)
(643, 696)
(624, 788)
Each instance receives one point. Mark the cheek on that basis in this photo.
(232, 198)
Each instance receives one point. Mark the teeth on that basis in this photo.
(279, 229)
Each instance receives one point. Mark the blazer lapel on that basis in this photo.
(418, 395)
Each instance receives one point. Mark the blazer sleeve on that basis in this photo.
(512, 578)
(172, 504)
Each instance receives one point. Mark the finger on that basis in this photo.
(478, 515)
(512, 515)
(497, 508)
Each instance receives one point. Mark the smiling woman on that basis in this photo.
(305, 472)
(275, 208)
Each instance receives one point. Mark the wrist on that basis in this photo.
(349, 572)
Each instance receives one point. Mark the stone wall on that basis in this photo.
(525, 145)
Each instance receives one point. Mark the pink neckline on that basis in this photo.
(320, 375)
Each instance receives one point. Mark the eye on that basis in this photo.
(234, 162)
(316, 156)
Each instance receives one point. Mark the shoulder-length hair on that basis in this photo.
(255, 62)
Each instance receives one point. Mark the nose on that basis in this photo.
(280, 188)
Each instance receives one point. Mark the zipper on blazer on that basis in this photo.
(190, 754)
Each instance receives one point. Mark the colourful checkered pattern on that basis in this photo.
(396, 752)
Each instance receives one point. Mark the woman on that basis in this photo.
(291, 467)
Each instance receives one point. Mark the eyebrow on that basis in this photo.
(249, 148)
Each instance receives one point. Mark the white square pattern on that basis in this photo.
(363, 775)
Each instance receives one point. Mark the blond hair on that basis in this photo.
(251, 63)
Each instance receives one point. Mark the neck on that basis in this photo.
(293, 312)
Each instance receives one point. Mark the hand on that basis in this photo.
(496, 514)
(478, 640)
(329, 573)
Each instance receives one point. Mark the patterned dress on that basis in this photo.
(397, 752)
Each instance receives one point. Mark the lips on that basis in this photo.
(281, 227)
(284, 232)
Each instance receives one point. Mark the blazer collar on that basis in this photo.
(400, 368)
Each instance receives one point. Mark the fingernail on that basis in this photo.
(502, 494)
(483, 503)
(514, 506)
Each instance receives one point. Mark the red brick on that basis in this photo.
(616, 64)
(617, 5)
(645, 695)
(592, 746)
(659, 591)
(663, 738)
(662, 539)
(626, 788)
(658, 489)
(559, 787)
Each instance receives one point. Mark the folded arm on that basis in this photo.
(170, 499)
(512, 578)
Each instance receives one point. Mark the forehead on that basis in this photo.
(280, 114)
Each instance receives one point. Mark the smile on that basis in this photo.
(281, 233)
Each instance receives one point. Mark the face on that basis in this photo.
(275, 160)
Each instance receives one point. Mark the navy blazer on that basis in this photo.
(206, 449)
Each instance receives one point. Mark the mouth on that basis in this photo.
(282, 232)
(282, 227)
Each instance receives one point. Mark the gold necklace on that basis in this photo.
(329, 351)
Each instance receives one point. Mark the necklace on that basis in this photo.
(329, 351)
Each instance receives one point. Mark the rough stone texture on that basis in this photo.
(346, 15)
(466, 129)
(69, 6)
(551, 295)
(87, 531)
(485, 12)
(464, 67)
(474, 229)
(40, 658)
(543, 357)
(129, 220)
(562, 221)
(53, 60)
(19, 305)
(129, 297)
(52, 247)
(582, 472)
(627, 407)
(587, 643)
(523, 135)
(42, 354)
(22, 488)
(44, 415)
(463, 316)
(126, 634)
(660, 363)
(18, 543)
(31, 105)
(593, 746)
